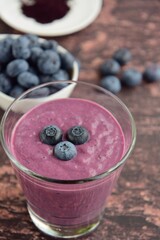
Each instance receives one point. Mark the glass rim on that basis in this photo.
(77, 181)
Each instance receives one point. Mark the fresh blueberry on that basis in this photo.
(21, 52)
(33, 70)
(8, 40)
(6, 50)
(152, 73)
(49, 62)
(27, 80)
(20, 48)
(15, 67)
(78, 135)
(49, 54)
(41, 92)
(33, 40)
(65, 151)
(110, 67)
(49, 44)
(51, 135)
(111, 83)
(22, 41)
(45, 78)
(48, 78)
(53, 89)
(61, 75)
(122, 56)
(16, 91)
(5, 83)
(35, 54)
(67, 60)
(131, 77)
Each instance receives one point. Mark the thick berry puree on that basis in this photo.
(103, 149)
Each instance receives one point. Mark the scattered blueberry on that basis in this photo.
(122, 56)
(16, 91)
(41, 92)
(5, 83)
(49, 62)
(27, 80)
(15, 67)
(111, 83)
(65, 151)
(78, 135)
(110, 67)
(152, 73)
(131, 77)
(51, 135)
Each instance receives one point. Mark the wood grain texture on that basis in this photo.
(133, 210)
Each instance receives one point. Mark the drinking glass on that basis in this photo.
(67, 208)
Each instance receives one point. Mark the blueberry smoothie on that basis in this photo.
(69, 200)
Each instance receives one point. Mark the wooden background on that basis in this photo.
(133, 210)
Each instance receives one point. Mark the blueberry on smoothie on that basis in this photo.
(51, 135)
(78, 135)
(65, 151)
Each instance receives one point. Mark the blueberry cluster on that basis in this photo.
(114, 77)
(27, 61)
(64, 150)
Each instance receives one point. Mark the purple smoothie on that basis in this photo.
(62, 203)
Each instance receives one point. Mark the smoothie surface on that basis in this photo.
(102, 151)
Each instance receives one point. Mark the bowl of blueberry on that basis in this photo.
(27, 61)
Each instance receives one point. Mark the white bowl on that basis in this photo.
(6, 100)
(82, 13)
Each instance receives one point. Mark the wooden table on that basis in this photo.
(133, 210)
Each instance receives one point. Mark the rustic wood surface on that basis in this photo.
(133, 210)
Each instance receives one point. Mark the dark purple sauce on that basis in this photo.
(46, 11)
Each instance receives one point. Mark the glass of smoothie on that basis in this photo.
(67, 150)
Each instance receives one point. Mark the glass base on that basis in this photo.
(62, 231)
